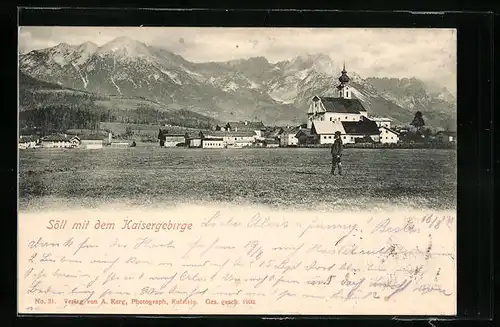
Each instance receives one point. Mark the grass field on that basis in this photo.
(282, 178)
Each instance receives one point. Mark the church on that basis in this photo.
(327, 115)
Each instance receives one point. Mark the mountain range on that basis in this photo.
(253, 89)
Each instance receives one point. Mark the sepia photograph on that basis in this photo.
(337, 144)
(265, 116)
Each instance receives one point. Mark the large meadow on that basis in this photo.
(284, 178)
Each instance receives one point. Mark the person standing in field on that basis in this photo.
(336, 151)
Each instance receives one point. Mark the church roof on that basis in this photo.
(342, 105)
(363, 127)
(326, 127)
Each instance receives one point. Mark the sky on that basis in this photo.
(428, 54)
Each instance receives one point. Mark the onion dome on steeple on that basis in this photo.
(344, 79)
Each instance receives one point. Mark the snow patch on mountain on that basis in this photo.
(173, 76)
(360, 95)
(197, 76)
(59, 59)
(302, 74)
(125, 47)
(231, 86)
(84, 79)
(117, 87)
(284, 95)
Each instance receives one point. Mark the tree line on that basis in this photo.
(63, 117)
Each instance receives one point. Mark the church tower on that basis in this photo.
(343, 87)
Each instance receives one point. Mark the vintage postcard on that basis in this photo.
(271, 171)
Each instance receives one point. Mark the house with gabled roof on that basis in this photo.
(447, 136)
(236, 139)
(382, 121)
(324, 131)
(388, 135)
(60, 141)
(92, 141)
(171, 139)
(288, 136)
(28, 141)
(212, 143)
(305, 136)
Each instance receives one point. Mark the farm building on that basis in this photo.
(92, 142)
(382, 122)
(446, 137)
(169, 140)
(212, 143)
(26, 142)
(288, 136)
(274, 133)
(388, 135)
(193, 140)
(324, 131)
(60, 141)
(232, 138)
(304, 136)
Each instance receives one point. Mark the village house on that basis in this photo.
(388, 135)
(169, 140)
(288, 136)
(193, 140)
(382, 122)
(90, 142)
(446, 137)
(324, 131)
(26, 142)
(212, 143)
(274, 133)
(235, 139)
(60, 141)
(305, 137)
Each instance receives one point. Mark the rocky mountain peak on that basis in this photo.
(124, 46)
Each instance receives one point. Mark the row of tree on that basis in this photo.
(63, 117)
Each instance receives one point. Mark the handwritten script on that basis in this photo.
(226, 261)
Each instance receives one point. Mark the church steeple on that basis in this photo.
(343, 87)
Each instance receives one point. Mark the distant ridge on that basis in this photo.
(244, 89)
